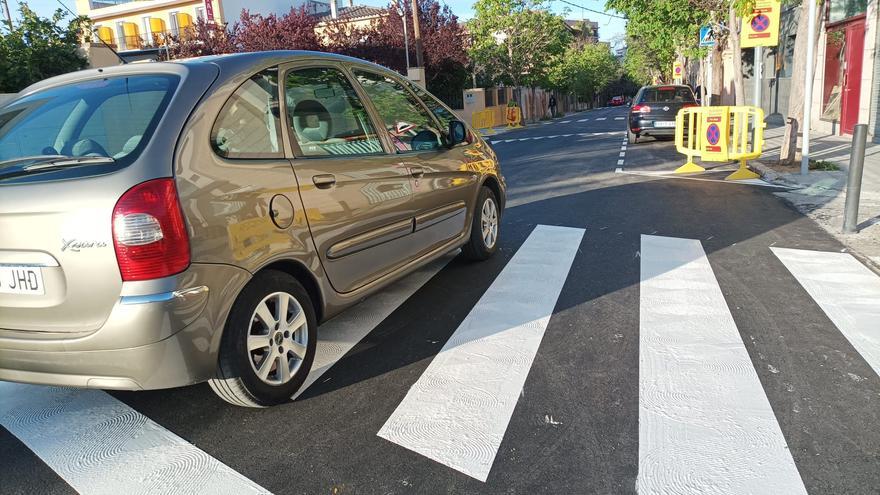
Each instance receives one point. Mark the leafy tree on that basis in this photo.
(294, 30)
(585, 71)
(443, 40)
(203, 38)
(517, 40)
(40, 47)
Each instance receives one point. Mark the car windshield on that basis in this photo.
(112, 117)
(667, 95)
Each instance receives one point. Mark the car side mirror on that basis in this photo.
(457, 132)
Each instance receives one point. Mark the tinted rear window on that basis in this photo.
(667, 95)
(112, 117)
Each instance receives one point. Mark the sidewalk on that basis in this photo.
(821, 194)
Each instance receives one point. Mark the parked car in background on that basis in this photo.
(617, 101)
(654, 109)
(172, 223)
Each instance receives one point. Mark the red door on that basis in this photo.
(852, 74)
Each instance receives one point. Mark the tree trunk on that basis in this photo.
(733, 43)
(717, 74)
(796, 94)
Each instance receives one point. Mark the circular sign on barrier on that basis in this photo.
(713, 134)
(760, 23)
(678, 70)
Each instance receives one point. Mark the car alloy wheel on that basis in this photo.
(278, 338)
(489, 223)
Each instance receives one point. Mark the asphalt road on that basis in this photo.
(675, 335)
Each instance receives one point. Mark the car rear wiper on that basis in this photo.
(47, 163)
(69, 161)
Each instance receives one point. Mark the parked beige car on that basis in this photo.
(172, 223)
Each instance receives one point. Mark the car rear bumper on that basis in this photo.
(159, 340)
(646, 128)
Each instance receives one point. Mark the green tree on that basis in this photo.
(584, 70)
(40, 47)
(515, 41)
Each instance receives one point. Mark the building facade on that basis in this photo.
(139, 24)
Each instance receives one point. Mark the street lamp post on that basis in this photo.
(405, 35)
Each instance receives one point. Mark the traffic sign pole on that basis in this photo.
(758, 69)
(808, 89)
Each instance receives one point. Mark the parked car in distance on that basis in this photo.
(654, 109)
(167, 224)
(617, 101)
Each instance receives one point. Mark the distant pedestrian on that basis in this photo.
(552, 106)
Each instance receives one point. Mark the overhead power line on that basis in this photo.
(592, 10)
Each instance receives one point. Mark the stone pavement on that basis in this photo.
(821, 194)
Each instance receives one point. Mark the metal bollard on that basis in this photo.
(854, 180)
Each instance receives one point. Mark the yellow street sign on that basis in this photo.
(677, 70)
(761, 27)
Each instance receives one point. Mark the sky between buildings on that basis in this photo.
(611, 29)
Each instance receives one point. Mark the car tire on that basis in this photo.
(250, 374)
(631, 137)
(485, 227)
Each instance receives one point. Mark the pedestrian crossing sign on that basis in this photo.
(761, 27)
(707, 37)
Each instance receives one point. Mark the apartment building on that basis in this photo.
(138, 24)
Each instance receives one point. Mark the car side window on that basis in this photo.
(249, 124)
(437, 108)
(326, 115)
(410, 126)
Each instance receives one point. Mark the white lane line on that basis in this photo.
(565, 122)
(601, 118)
(97, 444)
(620, 162)
(622, 154)
(846, 290)
(583, 120)
(509, 140)
(705, 424)
(342, 333)
(619, 118)
(458, 410)
(524, 139)
(623, 148)
(547, 123)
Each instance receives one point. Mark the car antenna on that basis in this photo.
(96, 36)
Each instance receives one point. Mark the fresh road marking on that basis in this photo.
(97, 444)
(619, 118)
(458, 410)
(620, 162)
(583, 120)
(705, 424)
(342, 333)
(601, 118)
(565, 122)
(846, 290)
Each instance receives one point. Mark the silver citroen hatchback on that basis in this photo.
(172, 223)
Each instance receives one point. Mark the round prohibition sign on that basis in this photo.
(713, 134)
(760, 23)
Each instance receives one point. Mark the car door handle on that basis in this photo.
(323, 181)
(416, 171)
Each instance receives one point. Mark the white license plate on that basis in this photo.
(22, 280)
(664, 123)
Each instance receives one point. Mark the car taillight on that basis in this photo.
(149, 233)
(641, 108)
(688, 105)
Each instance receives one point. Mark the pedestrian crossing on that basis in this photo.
(497, 141)
(705, 421)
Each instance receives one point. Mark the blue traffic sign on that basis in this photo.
(707, 37)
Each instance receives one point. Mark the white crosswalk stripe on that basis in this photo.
(705, 423)
(846, 290)
(459, 409)
(100, 445)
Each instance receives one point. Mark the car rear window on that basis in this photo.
(112, 117)
(667, 95)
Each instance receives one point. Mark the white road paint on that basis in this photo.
(622, 154)
(619, 118)
(99, 445)
(565, 122)
(846, 290)
(619, 162)
(339, 335)
(664, 174)
(583, 120)
(705, 424)
(458, 410)
(601, 118)
(623, 148)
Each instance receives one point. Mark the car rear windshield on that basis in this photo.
(667, 95)
(112, 117)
